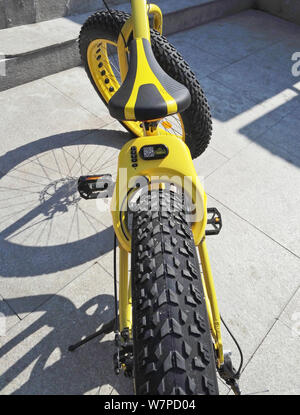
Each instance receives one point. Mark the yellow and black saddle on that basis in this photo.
(148, 92)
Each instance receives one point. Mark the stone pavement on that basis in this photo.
(56, 280)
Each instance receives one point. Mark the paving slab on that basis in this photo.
(38, 110)
(107, 261)
(261, 188)
(255, 279)
(8, 317)
(237, 121)
(275, 366)
(291, 314)
(75, 84)
(208, 162)
(121, 388)
(265, 75)
(233, 38)
(44, 221)
(282, 139)
(35, 359)
(202, 62)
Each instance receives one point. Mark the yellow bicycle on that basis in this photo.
(167, 324)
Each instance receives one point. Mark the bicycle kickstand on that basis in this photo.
(105, 329)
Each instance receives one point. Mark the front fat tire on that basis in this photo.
(173, 352)
(197, 118)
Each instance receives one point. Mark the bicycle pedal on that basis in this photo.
(214, 221)
(96, 187)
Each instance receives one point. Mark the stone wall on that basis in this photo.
(286, 9)
(21, 12)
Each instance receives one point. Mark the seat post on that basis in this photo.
(141, 26)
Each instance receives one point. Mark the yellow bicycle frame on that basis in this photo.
(177, 164)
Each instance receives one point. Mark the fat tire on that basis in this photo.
(197, 118)
(173, 351)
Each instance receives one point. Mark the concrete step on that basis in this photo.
(21, 12)
(33, 51)
(288, 10)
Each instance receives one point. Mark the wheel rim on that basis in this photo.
(104, 67)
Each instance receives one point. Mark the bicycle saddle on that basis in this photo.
(148, 93)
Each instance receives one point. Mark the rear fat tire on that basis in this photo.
(173, 351)
(197, 118)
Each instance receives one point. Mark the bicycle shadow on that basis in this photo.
(49, 258)
(36, 359)
(47, 367)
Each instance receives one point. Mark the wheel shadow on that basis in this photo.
(35, 356)
(58, 197)
(41, 349)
